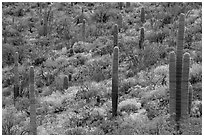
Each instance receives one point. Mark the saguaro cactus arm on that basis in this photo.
(115, 81)
(115, 35)
(172, 84)
(33, 125)
(185, 85)
(142, 15)
(65, 82)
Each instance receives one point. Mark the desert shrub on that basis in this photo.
(191, 126)
(158, 126)
(6, 92)
(7, 54)
(22, 104)
(80, 47)
(91, 90)
(197, 90)
(151, 55)
(99, 68)
(126, 84)
(129, 105)
(196, 73)
(196, 109)
(160, 75)
(11, 121)
(158, 93)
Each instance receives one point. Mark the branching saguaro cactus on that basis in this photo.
(33, 125)
(65, 83)
(115, 81)
(179, 78)
(16, 76)
(115, 35)
(83, 30)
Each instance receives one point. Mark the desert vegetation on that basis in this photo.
(93, 68)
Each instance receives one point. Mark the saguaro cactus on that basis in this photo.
(141, 41)
(179, 78)
(142, 15)
(83, 30)
(185, 85)
(65, 83)
(120, 22)
(16, 76)
(115, 35)
(33, 125)
(172, 84)
(115, 81)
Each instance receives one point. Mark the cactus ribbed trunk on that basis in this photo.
(115, 35)
(115, 81)
(120, 22)
(141, 41)
(16, 76)
(65, 82)
(185, 86)
(172, 84)
(142, 15)
(179, 55)
(33, 125)
(83, 30)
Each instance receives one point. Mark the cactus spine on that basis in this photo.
(33, 125)
(16, 76)
(65, 83)
(178, 78)
(115, 35)
(115, 81)
(83, 30)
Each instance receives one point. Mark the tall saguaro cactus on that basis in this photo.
(115, 81)
(83, 30)
(65, 82)
(16, 76)
(179, 78)
(185, 85)
(120, 21)
(141, 41)
(115, 35)
(33, 125)
(142, 15)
